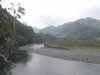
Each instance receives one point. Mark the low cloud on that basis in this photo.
(92, 12)
(52, 20)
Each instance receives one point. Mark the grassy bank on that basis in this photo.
(73, 44)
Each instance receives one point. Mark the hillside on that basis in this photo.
(13, 34)
(82, 29)
(36, 30)
(7, 40)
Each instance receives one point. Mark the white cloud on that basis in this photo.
(57, 11)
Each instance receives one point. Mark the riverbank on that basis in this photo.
(70, 47)
(73, 44)
(84, 55)
(88, 56)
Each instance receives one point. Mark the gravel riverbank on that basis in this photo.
(88, 56)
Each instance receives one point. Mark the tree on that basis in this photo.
(7, 38)
(16, 12)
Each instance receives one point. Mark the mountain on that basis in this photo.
(84, 29)
(36, 30)
(49, 30)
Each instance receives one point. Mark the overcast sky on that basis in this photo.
(42, 13)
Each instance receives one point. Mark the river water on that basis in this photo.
(44, 65)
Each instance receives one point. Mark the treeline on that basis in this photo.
(26, 35)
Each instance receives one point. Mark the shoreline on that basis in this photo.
(83, 55)
(71, 47)
(87, 56)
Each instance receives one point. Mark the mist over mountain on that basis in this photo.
(84, 29)
(36, 30)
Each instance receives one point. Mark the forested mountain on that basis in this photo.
(25, 34)
(83, 29)
(49, 30)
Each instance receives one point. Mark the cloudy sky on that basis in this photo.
(42, 13)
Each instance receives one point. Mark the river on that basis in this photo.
(44, 65)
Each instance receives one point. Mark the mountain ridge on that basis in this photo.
(84, 29)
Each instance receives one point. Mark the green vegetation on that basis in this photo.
(26, 35)
(5, 37)
(82, 33)
(82, 29)
(12, 35)
(73, 44)
(17, 55)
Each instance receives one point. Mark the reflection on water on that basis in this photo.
(44, 65)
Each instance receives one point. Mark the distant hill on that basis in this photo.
(84, 29)
(49, 30)
(36, 30)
